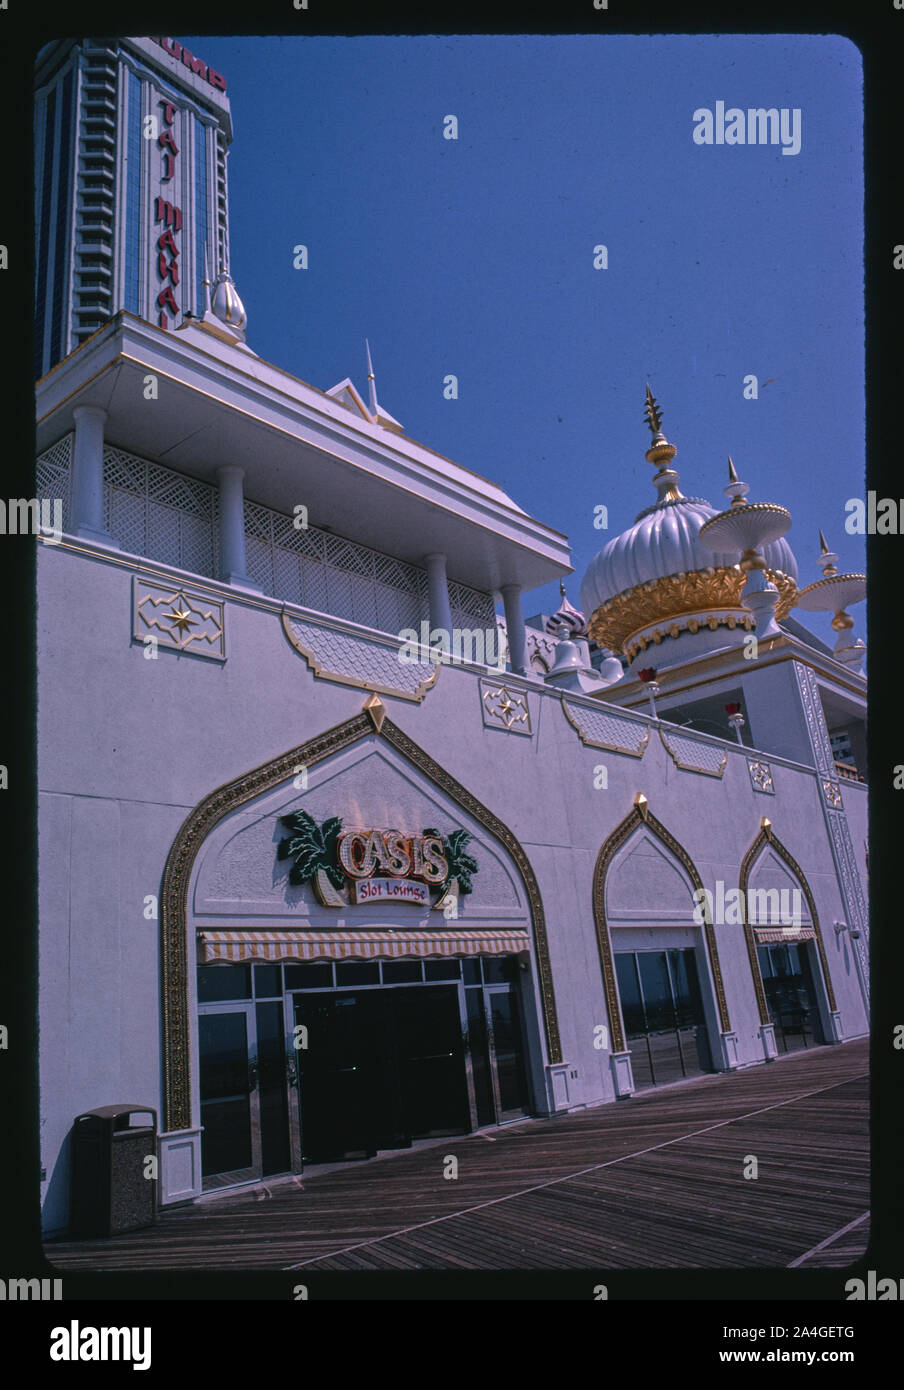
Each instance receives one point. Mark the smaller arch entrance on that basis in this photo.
(660, 966)
(794, 993)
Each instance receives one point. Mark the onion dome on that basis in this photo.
(657, 579)
(227, 306)
(567, 620)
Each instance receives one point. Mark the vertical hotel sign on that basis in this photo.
(170, 216)
(165, 212)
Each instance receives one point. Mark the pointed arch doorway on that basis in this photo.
(661, 972)
(477, 987)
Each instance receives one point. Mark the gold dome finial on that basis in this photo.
(661, 452)
(732, 471)
(823, 544)
(653, 414)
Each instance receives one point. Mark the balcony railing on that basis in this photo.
(848, 772)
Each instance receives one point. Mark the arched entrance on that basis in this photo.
(788, 965)
(661, 972)
(421, 1024)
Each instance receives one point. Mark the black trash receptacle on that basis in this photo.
(109, 1190)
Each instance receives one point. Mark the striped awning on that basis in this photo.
(770, 936)
(358, 945)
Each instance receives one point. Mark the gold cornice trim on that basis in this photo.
(675, 600)
(779, 644)
(322, 673)
(690, 767)
(766, 836)
(174, 913)
(641, 815)
(595, 743)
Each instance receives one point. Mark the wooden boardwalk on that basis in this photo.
(652, 1182)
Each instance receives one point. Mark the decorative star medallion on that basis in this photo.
(182, 619)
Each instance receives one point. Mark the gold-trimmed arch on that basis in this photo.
(767, 836)
(641, 815)
(217, 804)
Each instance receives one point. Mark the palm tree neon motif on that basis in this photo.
(312, 849)
(462, 866)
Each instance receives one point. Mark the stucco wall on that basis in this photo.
(128, 746)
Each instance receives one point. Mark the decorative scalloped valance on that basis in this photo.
(352, 659)
(693, 756)
(599, 729)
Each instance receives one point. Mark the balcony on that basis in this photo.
(848, 773)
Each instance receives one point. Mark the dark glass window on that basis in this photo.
(267, 982)
(309, 976)
(218, 982)
(358, 972)
(471, 970)
(657, 992)
(629, 993)
(442, 969)
(401, 972)
(500, 970)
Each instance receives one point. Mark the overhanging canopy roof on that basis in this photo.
(219, 404)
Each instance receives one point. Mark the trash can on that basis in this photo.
(109, 1190)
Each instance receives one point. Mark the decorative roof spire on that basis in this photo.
(736, 490)
(227, 306)
(567, 621)
(371, 384)
(654, 415)
(661, 453)
(828, 560)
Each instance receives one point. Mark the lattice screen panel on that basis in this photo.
(53, 472)
(470, 607)
(330, 574)
(162, 515)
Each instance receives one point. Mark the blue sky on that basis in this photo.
(475, 257)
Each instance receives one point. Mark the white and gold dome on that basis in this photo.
(657, 580)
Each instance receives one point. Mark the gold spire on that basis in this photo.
(732, 472)
(653, 414)
(823, 544)
(661, 452)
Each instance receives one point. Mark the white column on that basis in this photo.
(514, 622)
(233, 567)
(87, 498)
(440, 610)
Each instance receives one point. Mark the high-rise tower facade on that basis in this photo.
(131, 139)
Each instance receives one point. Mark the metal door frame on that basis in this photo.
(510, 988)
(249, 1008)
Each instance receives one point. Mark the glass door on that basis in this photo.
(788, 983)
(431, 1065)
(663, 1012)
(506, 1051)
(230, 1097)
(335, 1075)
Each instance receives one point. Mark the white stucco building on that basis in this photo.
(311, 894)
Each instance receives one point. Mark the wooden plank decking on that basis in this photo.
(655, 1181)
